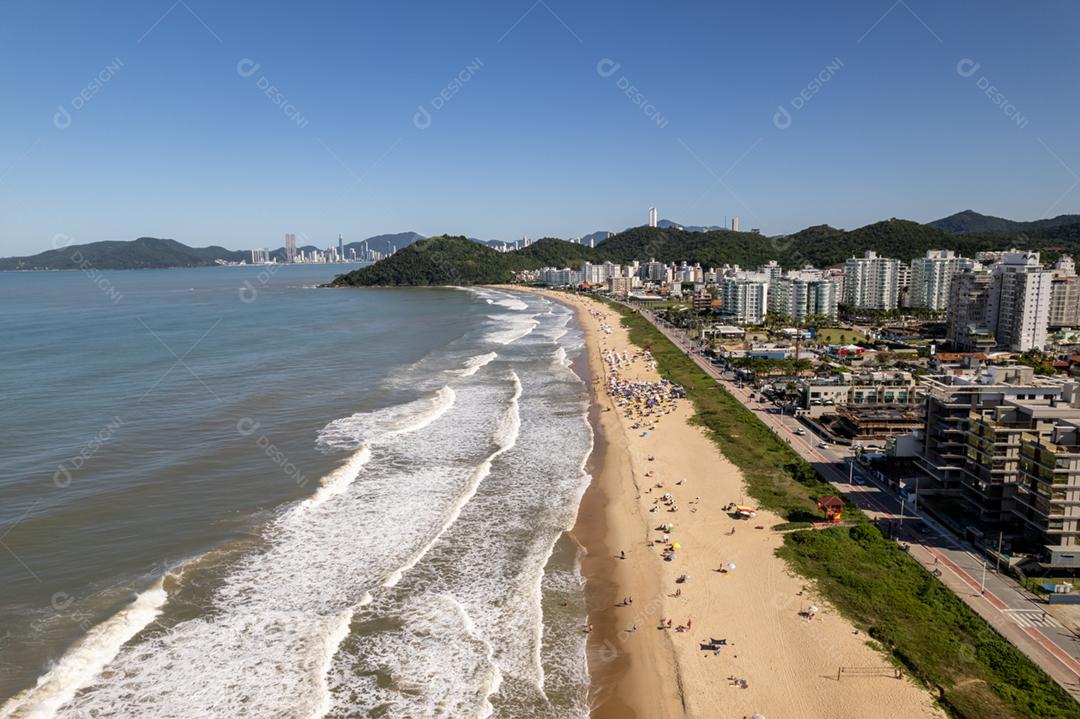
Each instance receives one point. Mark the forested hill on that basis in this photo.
(456, 260)
(441, 260)
(143, 253)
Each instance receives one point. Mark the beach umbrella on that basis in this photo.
(676, 546)
(731, 565)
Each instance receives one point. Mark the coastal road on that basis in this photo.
(1003, 603)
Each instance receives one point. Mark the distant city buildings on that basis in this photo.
(735, 224)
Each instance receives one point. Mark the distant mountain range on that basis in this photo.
(445, 260)
(970, 222)
(143, 253)
(966, 232)
(155, 253)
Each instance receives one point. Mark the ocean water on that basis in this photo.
(226, 492)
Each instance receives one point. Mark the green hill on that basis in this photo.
(143, 253)
(552, 252)
(441, 260)
(456, 260)
(971, 222)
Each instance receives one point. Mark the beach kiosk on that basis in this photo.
(833, 507)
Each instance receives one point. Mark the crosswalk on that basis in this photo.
(1032, 618)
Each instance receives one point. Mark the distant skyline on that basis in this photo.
(234, 123)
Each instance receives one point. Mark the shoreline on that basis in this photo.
(776, 661)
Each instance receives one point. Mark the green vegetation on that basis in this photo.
(436, 261)
(924, 626)
(819, 246)
(971, 222)
(143, 253)
(919, 622)
(1038, 361)
(838, 335)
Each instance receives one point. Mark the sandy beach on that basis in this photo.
(731, 643)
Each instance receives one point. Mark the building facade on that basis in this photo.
(872, 282)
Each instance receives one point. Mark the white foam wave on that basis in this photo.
(505, 438)
(86, 660)
(337, 630)
(495, 677)
(473, 365)
(357, 430)
(502, 299)
(339, 480)
(517, 327)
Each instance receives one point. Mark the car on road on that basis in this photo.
(800, 431)
(822, 445)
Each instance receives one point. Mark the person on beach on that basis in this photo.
(622, 554)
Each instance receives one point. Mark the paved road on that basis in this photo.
(1010, 609)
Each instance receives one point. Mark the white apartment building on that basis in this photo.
(802, 293)
(1064, 301)
(1006, 307)
(745, 298)
(931, 275)
(561, 277)
(872, 282)
(1020, 301)
(600, 274)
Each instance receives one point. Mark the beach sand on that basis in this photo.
(789, 664)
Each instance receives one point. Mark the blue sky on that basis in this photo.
(178, 138)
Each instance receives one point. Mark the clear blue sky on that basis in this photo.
(177, 143)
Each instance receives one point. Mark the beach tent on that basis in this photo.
(731, 565)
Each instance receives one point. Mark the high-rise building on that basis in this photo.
(290, 247)
(1065, 266)
(1064, 301)
(772, 269)
(931, 275)
(735, 223)
(1007, 307)
(804, 293)
(872, 282)
(1020, 301)
(969, 326)
(260, 256)
(652, 217)
(340, 248)
(745, 298)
